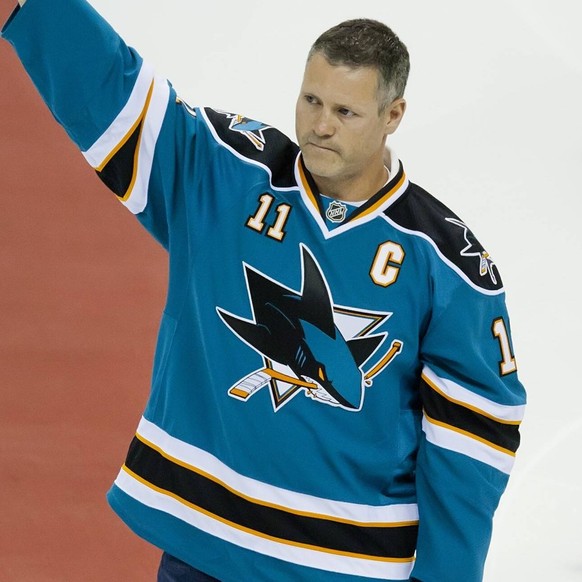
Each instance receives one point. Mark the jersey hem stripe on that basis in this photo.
(294, 553)
(269, 494)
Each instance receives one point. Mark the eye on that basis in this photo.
(310, 99)
(345, 112)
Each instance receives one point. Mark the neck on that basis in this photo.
(356, 188)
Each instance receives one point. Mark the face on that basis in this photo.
(339, 128)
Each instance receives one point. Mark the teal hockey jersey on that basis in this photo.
(334, 393)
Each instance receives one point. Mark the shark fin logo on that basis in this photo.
(251, 129)
(308, 344)
(474, 249)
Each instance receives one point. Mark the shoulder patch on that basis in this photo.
(258, 142)
(421, 212)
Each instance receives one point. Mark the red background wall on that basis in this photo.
(81, 289)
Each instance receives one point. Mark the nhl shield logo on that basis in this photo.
(336, 211)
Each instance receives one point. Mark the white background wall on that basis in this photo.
(493, 129)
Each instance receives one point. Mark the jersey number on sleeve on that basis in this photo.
(507, 364)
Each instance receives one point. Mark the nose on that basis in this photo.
(324, 125)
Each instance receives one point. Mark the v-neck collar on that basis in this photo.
(386, 196)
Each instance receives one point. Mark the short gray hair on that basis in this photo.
(363, 42)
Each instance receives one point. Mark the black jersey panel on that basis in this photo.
(259, 142)
(421, 212)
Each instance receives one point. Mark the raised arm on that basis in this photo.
(108, 100)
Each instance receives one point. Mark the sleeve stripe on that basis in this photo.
(467, 420)
(119, 170)
(469, 406)
(122, 126)
(453, 440)
(468, 435)
(509, 414)
(136, 198)
(123, 155)
(137, 124)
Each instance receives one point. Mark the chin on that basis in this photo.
(319, 166)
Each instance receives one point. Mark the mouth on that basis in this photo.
(320, 147)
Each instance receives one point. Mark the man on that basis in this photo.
(334, 394)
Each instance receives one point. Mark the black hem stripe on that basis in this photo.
(396, 542)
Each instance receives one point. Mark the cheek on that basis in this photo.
(369, 140)
(298, 120)
(300, 129)
(360, 147)
(358, 142)
(301, 115)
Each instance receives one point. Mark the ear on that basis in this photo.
(394, 114)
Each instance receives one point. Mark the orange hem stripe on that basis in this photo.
(270, 505)
(257, 533)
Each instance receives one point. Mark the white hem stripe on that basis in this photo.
(269, 494)
(290, 553)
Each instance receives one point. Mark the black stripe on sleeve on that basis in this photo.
(118, 173)
(456, 415)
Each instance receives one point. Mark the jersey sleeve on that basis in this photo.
(124, 118)
(472, 404)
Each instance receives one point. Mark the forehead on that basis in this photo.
(340, 83)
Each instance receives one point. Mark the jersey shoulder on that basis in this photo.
(256, 142)
(421, 214)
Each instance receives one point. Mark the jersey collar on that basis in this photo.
(375, 205)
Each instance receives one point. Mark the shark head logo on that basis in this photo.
(251, 129)
(297, 331)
